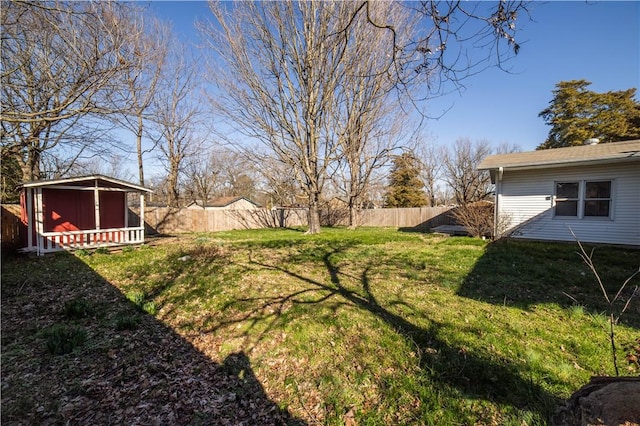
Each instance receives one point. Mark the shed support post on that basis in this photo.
(39, 219)
(96, 198)
(30, 217)
(126, 210)
(142, 215)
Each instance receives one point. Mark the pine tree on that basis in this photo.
(405, 188)
(10, 179)
(576, 114)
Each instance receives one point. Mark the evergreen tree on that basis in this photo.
(576, 114)
(405, 189)
(10, 179)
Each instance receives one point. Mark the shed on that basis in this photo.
(591, 190)
(80, 212)
(225, 203)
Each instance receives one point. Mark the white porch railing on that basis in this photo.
(93, 238)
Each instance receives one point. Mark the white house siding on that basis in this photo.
(525, 203)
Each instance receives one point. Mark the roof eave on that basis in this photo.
(35, 184)
(555, 164)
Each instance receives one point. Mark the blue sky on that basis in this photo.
(568, 40)
(565, 40)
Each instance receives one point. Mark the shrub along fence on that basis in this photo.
(168, 220)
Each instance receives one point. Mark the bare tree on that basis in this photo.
(144, 54)
(158, 183)
(110, 165)
(470, 187)
(58, 61)
(460, 163)
(175, 120)
(431, 159)
(455, 40)
(219, 173)
(507, 148)
(369, 119)
(283, 66)
(280, 186)
(374, 196)
(236, 173)
(201, 179)
(461, 39)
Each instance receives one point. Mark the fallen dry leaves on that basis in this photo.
(147, 375)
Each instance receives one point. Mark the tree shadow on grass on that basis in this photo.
(473, 375)
(527, 273)
(129, 369)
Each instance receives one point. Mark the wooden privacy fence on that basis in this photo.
(14, 232)
(171, 220)
(416, 218)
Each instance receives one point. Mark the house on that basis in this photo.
(591, 190)
(225, 203)
(79, 212)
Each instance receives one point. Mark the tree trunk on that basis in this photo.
(139, 146)
(353, 213)
(314, 214)
(172, 190)
(31, 165)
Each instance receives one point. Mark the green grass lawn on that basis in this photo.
(378, 326)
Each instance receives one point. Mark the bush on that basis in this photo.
(334, 216)
(150, 308)
(126, 322)
(76, 309)
(476, 217)
(62, 339)
(136, 297)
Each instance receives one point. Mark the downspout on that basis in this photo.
(496, 208)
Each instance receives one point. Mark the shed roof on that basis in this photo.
(87, 181)
(556, 157)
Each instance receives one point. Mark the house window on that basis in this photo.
(597, 198)
(567, 198)
(583, 199)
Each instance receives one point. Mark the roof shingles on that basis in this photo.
(600, 153)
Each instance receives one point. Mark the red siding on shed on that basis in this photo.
(111, 209)
(68, 210)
